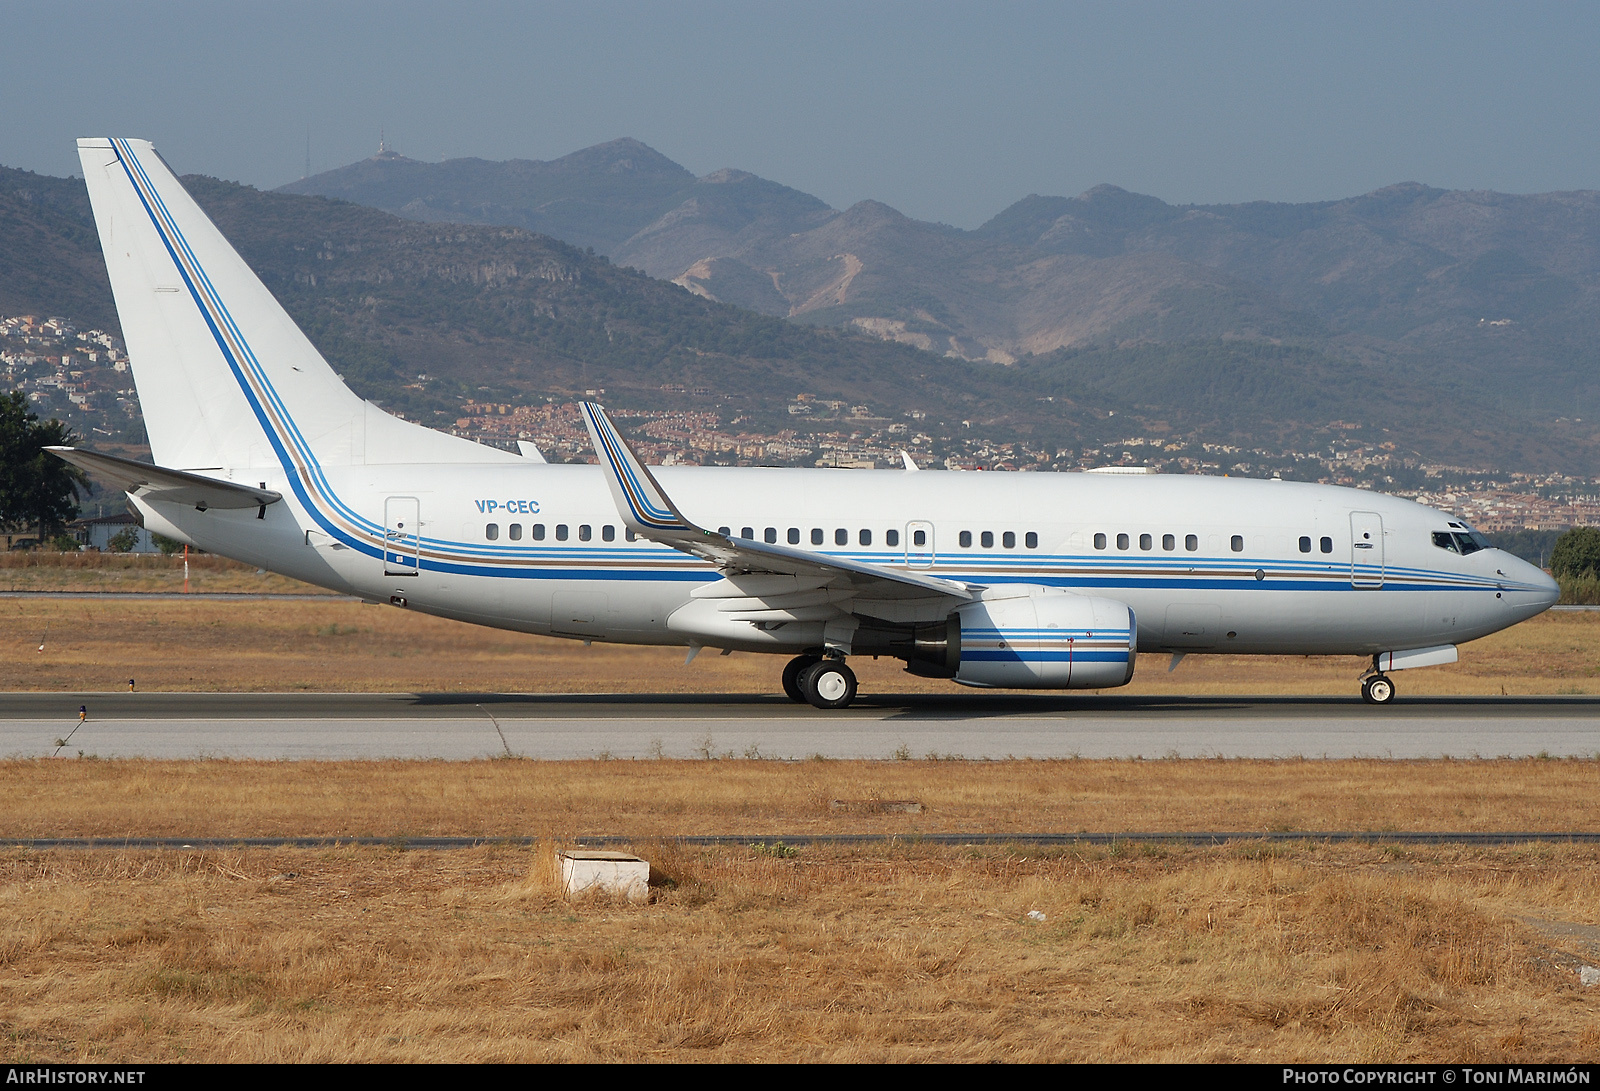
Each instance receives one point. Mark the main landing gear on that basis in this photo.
(825, 683)
(1377, 689)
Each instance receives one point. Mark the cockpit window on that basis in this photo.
(1462, 542)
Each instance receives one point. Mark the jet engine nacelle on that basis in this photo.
(1047, 639)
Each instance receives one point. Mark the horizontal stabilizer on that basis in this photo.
(168, 486)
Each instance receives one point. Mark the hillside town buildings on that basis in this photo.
(78, 376)
(82, 377)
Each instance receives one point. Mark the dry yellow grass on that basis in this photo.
(506, 798)
(1248, 952)
(175, 644)
(1234, 954)
(144, 572)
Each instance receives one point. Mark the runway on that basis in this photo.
(344, 726)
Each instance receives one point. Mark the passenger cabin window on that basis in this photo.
(919, 537)
(891, 537)
(561, 532)
(816, 535)
(986, 539)
(538, 532)
(1099, 541)
(770, 535)
(794, 535)
(492, 531)
(1327, 545)
(1009, 539)
(1236, 543)
(1169, 542)
(1122, 541)
(1305, 544)
(1031, 541)
(1145, 541)
(965, 539)
(865, 537)
(585, 532)
(630, 535)
(1191, 542)
(725, 531)
(514, 532)
(609, 532)
(748, 532)
(841, 536)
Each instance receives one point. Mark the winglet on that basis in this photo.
(645, 509)
(641, 502)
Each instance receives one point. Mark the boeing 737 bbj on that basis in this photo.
(1034, 580)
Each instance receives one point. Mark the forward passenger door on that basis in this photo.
(1366, 549)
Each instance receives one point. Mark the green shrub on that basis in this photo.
(1577, 554)
(123, 540)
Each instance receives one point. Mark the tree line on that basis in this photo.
(37, 489)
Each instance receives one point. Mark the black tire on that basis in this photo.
(1377, 690)
(791, 676)
(829, 684)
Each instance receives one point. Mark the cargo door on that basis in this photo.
(579, 613)
(1193, 625)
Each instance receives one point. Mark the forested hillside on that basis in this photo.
(425, 317)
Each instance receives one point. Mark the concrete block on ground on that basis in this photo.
(598, 871)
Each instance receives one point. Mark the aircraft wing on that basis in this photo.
(171, 486)
(645, 508)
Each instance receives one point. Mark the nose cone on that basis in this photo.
(1528, 590)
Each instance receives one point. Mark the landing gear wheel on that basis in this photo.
(829, 684)
(1377, 690)
(791, 676)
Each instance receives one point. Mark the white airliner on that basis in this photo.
(1032, 580)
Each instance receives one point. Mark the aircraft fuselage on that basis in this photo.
(1207, 564)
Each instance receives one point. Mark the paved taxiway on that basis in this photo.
(467, 726)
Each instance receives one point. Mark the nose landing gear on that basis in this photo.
(1377, 689)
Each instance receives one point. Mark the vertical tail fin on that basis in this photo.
(225, 377)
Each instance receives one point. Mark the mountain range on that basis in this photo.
(427, 317)
(1487, 304)
(1456, 325)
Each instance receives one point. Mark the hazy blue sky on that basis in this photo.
(946, 111)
